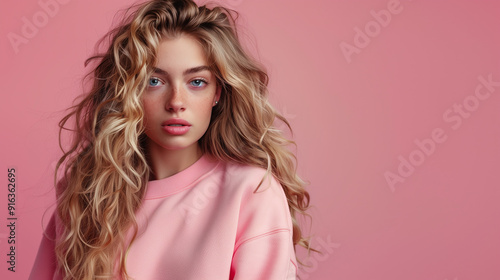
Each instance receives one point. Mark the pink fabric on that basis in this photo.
(208, 222)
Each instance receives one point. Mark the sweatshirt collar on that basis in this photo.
(182, 180)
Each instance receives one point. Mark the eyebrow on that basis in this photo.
(186, 72)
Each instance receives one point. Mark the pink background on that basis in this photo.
(356, 117)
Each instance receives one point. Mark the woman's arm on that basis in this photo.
(264, 246)
(267, 257)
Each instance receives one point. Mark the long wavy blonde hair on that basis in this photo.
(105, 170)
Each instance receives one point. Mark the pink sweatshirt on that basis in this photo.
(204, 223)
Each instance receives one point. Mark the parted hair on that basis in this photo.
(105, 169)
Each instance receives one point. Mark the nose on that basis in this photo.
(175, 101)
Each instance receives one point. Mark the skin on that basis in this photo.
(180, 88)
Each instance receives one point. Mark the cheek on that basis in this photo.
(204, 106)
(148, 111)
(205, 109)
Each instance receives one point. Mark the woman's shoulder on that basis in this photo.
(242, 170)
(251, 182)
(247, 174)
(262, 204)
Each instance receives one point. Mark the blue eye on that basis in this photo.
(154, 82)
(198, 83)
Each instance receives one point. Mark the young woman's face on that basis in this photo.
(180, 96)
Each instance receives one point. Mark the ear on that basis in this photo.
(217, 95)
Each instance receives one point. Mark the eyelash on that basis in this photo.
(191, 82)
(154, 78)
(199, 80)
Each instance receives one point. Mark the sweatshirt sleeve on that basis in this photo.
(266, 257)
(264, 244)
(45, 263)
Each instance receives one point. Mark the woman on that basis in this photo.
(176, 170)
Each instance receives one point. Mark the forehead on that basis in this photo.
(180, 52)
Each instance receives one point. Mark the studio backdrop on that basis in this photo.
(394, 106)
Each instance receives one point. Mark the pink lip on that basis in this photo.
(176, 121)
(169, 127)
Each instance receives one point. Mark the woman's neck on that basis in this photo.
(165, 163)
